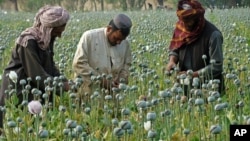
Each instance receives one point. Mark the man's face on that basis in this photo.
(57, 31)
(190, 24)
(114, 37)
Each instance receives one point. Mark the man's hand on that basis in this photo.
(66, 86)
(108, 84)
(168, 70)
(171, 64)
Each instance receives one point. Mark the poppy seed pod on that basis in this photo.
(29, 79)
(19, 119)
(164, 94)
(125, 124)
(215, 129)
(119, 97)
(72, 95)
(11, 124)
(148, 104)
(108, 97)
(196, 82)
(87, 110)
(125, 112)
(45, 95)
(199, 101)
(191, 101)
(122, 86)
(24, 103)
(35, 91)
(230, 76)
(134, 88)
(211, 99)
(118, 132)
(216, 94)
(22, 82)
(66, 131)
(186, 131)
(38, 78)
(141, 104)
(151, 116)
(130, 131)
(43, 133)
(166, 113)
(115, 121)
(241, 104)
(154, 101)
(30, 130)
(218, 107)
(79, 129)
(71, 124)
(178, 97)
(182, 76)
(198, 92)
(152, 134)
(3, 109)
(190, 72)
(28, 87)
(225, 104)
(62, 108)
(204, 56)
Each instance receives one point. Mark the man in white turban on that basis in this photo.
(32, 57)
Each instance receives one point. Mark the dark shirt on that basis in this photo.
(29, 61)
(215, 53)
(203, 55)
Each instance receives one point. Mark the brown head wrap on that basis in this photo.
(187, 10)
(47, 18)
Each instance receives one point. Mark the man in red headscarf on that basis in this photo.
(196, 44)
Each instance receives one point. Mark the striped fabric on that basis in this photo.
(181, 36)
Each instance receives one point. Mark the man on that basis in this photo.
(196, 44)
(104, 52)
(32, 57)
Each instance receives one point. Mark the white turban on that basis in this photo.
(47, 18)
(51, 16)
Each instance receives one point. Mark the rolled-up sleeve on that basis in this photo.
(173, 53)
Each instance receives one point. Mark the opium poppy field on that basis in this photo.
(153, 105)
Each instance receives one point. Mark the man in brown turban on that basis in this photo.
(196, 44)
(32, 57)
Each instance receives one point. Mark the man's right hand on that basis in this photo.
(108, 84)
(170, 66)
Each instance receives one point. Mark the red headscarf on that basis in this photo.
(187, 9)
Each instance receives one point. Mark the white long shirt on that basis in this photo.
(94, 55)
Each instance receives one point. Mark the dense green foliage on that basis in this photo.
(172, 116)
